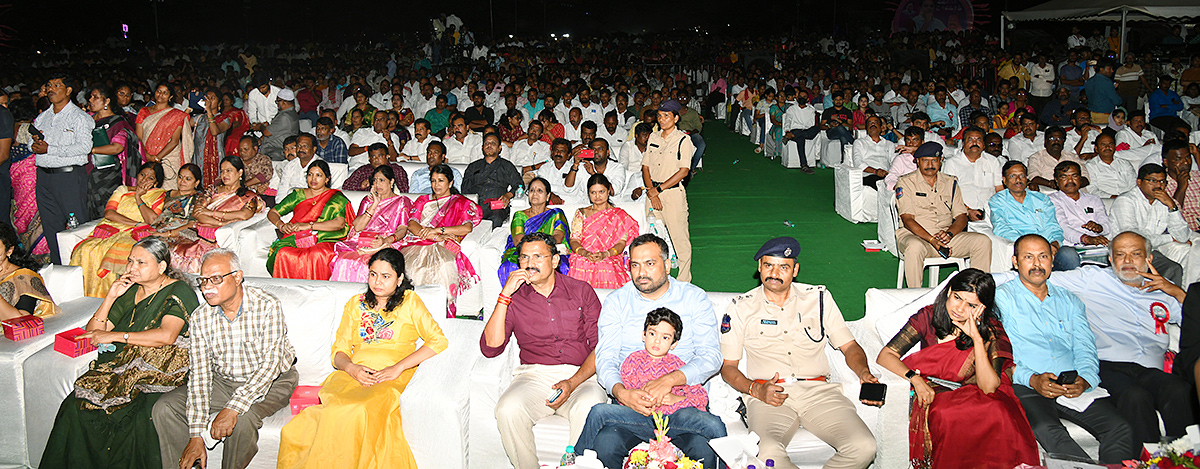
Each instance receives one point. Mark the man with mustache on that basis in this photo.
(1026, 143)
(978, 173)
(553, 317)
(612, 430)
(786, 379)
(242, 366)
(933, 217)
(1018, 211)
(1081, 216)
(1048, 327)
(1151, 212)
(60, 154)
(1042, 163)
(1183, 179)
(1111, 176)
(1128, 307)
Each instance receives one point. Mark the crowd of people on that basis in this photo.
(983, 148)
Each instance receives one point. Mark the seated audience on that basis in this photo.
(419, 183)
(982, 420)
(358, 422)
(873, 154)
(1111, 176)
(1082, 216)
(361, 178)
(1021, 146)
(330, 147)
(494, 180)
(103, 254)
(978, 173)
(436, 224)
(538, 218)
(1017, 211)
(226, 202)
(1183, 179)
(382, 221)
(320, 217)
(599, 234)
(1042, 163)
(22, 289)
(1151, 212)
(904, 163)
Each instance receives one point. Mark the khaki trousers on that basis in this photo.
(974, 246)
(674, 216)
(524, 403)
(823, 410)
(170, 419)
(1100, 118)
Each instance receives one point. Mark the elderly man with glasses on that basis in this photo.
(1151, 212)
(242, 366)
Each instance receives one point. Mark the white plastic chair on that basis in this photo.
(933, 264)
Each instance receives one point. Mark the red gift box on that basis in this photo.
(103, 231)
(23, 327)
(305, 239)
(270, 192)
(67, 343)
(366, 238)
(207, 232)
(304, 396)
(495, 204)
(142, 232)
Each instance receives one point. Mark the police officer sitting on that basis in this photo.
(933, 217)
(784, 328)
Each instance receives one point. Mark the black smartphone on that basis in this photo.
(1067, 377)
(872, 392)
(36, 133)
(944, 252)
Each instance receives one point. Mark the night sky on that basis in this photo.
(309, 20)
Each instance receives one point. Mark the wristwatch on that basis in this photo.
(911, 373)
(126, 336)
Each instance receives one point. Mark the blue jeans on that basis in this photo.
(698, 142)
(846, 136)
(613, 429)
(748, 119)
(1066, 259)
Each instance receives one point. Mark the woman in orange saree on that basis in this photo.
(166, 134)
(104, 254)
(965, 413)
(320, 217)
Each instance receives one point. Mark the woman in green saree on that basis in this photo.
(141, 332)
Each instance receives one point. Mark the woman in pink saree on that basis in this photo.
(166, 134)
(382, 221)
(599, 234)
(437, 223)
(222, 204)
(24, 183)
(970, 417)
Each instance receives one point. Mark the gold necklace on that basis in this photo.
(133, 314)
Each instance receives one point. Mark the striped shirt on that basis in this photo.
(68, 134)
(252, 349)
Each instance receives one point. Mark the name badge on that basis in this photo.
(1089, 210)
(769, 322)
(920, 194)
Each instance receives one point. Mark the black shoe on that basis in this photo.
(806, 170)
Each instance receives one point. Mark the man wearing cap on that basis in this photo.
(665, 163)
(933, 217)
(286, 123)
(783, 328)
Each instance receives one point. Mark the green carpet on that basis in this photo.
(741, 199)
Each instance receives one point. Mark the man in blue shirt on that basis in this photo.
(1165, 106)
(1049, 331)
(330, 147)
(1102, 92)
(1128, 308)
(435, 154)
(612, 430)
(1017, 211)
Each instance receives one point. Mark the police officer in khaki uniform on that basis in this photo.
(667, 160)
(933, 216)
(783, 328)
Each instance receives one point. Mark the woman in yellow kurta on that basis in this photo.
(357, 424)
(104, 254)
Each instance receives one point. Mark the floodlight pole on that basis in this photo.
(1124, 14)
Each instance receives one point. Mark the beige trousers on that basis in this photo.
(975, 246)
(524, 403)
(824, 411)
(674, 216)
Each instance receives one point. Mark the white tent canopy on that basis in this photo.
(1105, 10)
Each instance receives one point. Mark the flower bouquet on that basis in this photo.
(1176, 454)
(659, 453)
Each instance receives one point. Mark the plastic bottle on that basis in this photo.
(72, 221)
(520, 191)
(568, 458)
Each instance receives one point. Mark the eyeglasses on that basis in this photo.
(214, 280)
(1155, 181)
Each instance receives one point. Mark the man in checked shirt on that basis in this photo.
(242, 366)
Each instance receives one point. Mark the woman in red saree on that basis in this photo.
(437, 223)
(238, 121)
(980, 424)
(165, 133)
(223, 124)
(599, 234)
(553, 128)
(320, 217)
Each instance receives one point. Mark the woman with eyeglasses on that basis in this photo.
(375, 353)
(539, 217)
(141, 330)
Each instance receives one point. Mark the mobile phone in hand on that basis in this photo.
(1067, 377)
(554, 395)
(944, 252)
(872, 392)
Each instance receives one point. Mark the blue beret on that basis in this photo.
(786, 247)
(928, 150)
(670, 105)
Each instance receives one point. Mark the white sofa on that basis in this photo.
(492, 376)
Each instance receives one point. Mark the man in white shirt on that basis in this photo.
(1110, 176)
(1021, 146)
(1041, 164)
(423, 102)
(1041, 84)
(1139, 140)
(612, 132)
(562, 111)
(574, 126)
(1151, 212)
(584, 168)
(631, 153)
(364, 138)
(462, 145)
(293, 173)
(1082, 137)
(414, 150)
(800, 125)
(382, 99)
(260, 105)
(978, 174)
(557, 169)
(873, 155)
(590, 111)
(530, 151)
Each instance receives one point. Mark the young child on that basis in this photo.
(661, 334)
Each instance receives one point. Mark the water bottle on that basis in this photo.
(72, 221)
(520, 191)
(568, 458)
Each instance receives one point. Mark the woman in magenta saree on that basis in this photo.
(599, 234)
(320, 217)
(436, 224)
(980, 424)
(382, 221)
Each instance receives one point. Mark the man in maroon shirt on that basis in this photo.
(553, 317)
